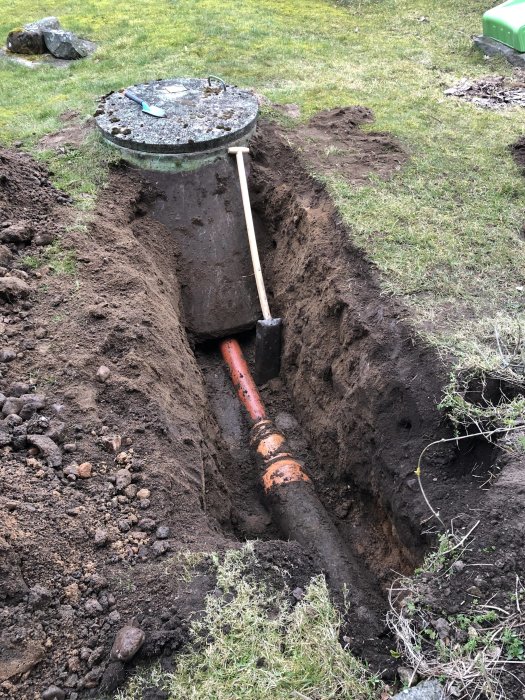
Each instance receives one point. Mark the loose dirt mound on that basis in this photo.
(333, 142)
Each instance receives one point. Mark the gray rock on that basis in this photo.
(124, 525)
(122, 479)
(44, 23)
(163, 532)
(428, 690)
(11, 405)
(160, 547)
(93, 607)
(49, 449)
(101, 537)
(19, 388)
(67, 45)
(56, 431)
(12, 421)
(5, 436)
(7, 355)
(12, 288)
(37, 425)
(39, 596)
(30, 404)
(53, 693)
(127, 642)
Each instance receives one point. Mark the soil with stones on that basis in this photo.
(493, 92)
(125, 453)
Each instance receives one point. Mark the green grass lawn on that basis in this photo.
(445, 231)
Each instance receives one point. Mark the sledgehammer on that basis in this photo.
(268, 331)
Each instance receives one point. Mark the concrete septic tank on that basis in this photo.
(184, 156)
(203, 118)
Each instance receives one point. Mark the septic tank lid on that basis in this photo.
(201, 114)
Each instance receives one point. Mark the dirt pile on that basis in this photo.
(333, 142)
(493, 92)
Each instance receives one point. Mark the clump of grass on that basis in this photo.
(468, 651)
(251, 644)
(499, 360)
(58, 260)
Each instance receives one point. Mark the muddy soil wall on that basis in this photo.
(361, 380)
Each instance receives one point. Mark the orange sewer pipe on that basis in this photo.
(295, 506)
(242, 379)
(270, 444)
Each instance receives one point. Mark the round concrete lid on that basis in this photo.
(200, 115)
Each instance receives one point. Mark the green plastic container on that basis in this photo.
(506, 24)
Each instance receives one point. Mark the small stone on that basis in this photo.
(428, 690)
(19, 389)
(122, 479)
(114, 617)
(71, 471)
(143, 493)
(7, 355)
(147, 524)
(12, 405)
(298, 593)
(53, 693)
(130, 491)
(92, 678)
(101, 537)
(12, 288)
(93, 607)
(70, 447)
(144, 503)
(442, 628)
(56, 430)
(163, 532)
(127, 642)
(31, 403)
(12, 420)
(49, 449)
(458, 566)
(160, 547)
(103, 373)
(474, 591)
(43, 238)
(72, 592)
(39, 597)
(5, 437)
(84, 470)
(124, 525)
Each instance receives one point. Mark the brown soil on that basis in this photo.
(333, 142)
(357, 398)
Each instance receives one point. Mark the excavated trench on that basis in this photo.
(357, 392)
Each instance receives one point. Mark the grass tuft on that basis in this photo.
(251, 644)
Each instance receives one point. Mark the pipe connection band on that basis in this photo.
(280, 467)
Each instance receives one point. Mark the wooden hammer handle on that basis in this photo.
(238, 151)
